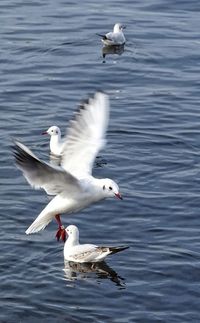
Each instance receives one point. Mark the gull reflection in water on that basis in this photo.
(75, 271)
(111, 50)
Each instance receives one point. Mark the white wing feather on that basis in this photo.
(86, 136)
(42, 175)
(87, 253)
(116, 38)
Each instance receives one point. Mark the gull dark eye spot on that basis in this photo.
(56, 132)
(104, 187)
(51, 130)
(110, 188)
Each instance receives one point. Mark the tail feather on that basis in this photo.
(117, 249)
(40, 223)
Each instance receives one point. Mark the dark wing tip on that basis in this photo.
(118, 249)
(83, 104)
(103, 36)
(19, 154)
(22, 157)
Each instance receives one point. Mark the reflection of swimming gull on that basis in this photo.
(114, 49)
(115, 37)
(75, 271)
(73, 251)
(73, 185)
(56, 143)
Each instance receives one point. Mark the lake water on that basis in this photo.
(51, 58)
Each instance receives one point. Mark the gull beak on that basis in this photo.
(123, 26)
(118, 195)
(45, 133)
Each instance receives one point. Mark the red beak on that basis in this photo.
(118, 195)
(45, 133)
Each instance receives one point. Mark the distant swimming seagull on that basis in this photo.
(72, 184)
(73, 251)
(115, 37)
(56, 142)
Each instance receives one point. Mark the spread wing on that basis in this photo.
(86, 136)
(42, 175)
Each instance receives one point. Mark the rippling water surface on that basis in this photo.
(51, 58)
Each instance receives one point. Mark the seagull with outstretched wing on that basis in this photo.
(72, 184)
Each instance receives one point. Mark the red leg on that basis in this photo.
(61, 233)
(57, 217)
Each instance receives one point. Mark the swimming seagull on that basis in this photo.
(73, 251)
(115, 37)
(56, 142)
(72, 184)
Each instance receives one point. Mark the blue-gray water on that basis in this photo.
(50, 59)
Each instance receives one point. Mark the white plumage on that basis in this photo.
(81, 253)
(72, 184)
(56, 143)
(115, 37)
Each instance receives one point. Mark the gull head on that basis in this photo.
(72, 233)
(52, 131)
(110, 188)
(118, 27)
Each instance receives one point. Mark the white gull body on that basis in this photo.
(72, 184)
(56, 143)
(82, 253)
(115, 37)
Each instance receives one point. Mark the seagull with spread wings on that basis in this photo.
(72, 184)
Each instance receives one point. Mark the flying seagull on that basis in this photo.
(72, 185)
